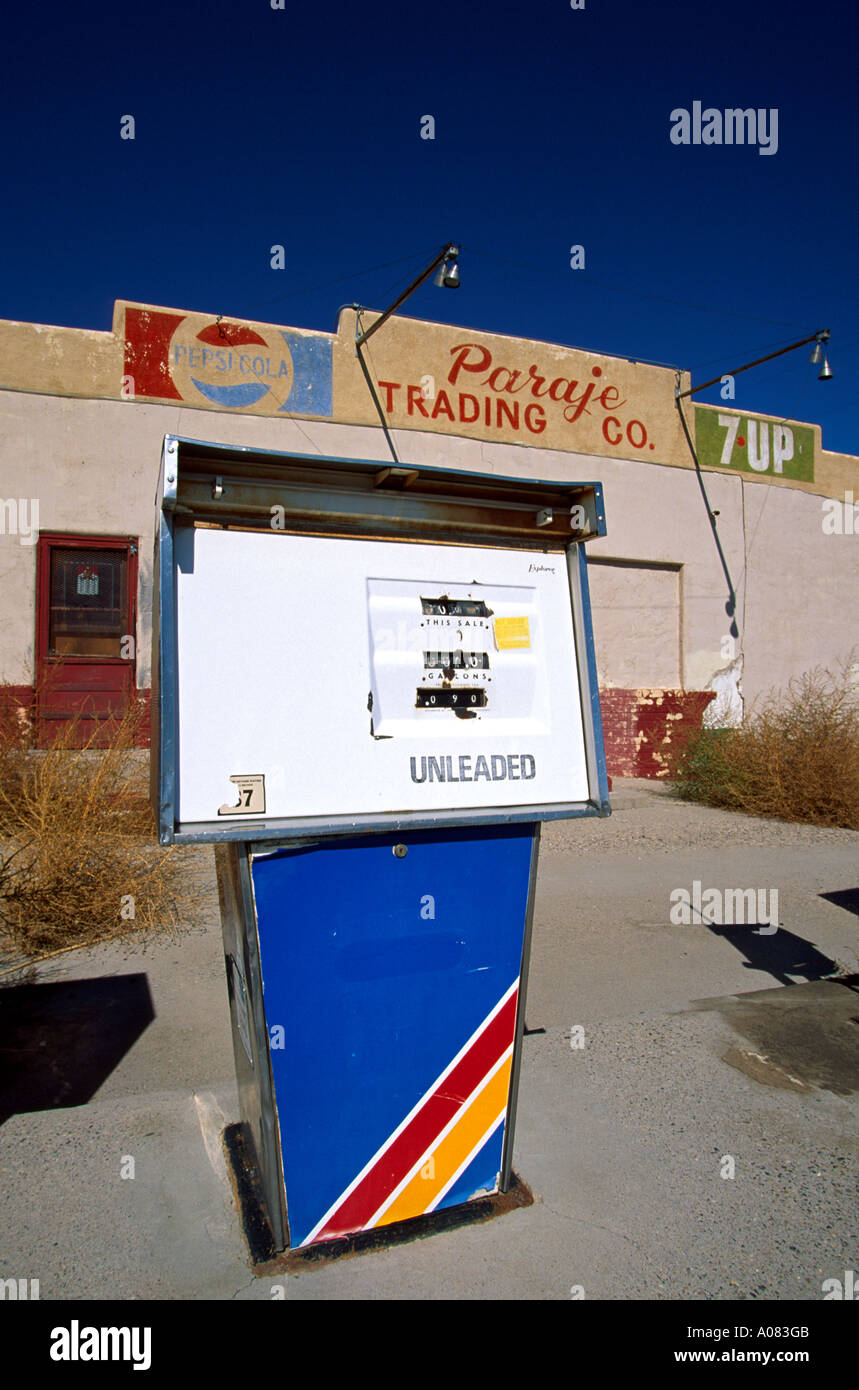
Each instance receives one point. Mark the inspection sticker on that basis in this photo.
(512, 633)
(251, 789)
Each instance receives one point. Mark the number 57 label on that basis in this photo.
(251, 789)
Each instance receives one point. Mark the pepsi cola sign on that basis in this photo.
(223, 365)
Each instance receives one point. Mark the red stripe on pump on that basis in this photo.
(437, 1110)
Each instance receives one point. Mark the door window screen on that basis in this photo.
(88, 607)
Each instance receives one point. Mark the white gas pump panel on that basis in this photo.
(330, 677)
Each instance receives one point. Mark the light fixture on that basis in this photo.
(448, 272)
(445, 263)
(818, 354)
(825, 372)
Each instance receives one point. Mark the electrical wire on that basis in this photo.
(339, 280)
(760, 347)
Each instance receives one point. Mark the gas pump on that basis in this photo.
(372, 686)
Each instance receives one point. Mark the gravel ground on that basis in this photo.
(654, 821)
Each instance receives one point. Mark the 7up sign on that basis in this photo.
(725, 439)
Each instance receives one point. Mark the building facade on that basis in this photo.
(84, 415)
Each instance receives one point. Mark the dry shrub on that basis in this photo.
(796, 757)
(79, 858)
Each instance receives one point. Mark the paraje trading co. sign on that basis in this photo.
(493, 388)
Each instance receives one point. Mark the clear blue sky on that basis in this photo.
(301, 127)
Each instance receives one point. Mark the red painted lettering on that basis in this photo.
(511, 411)
(442, 404)
(572, 392)
(538, 415)
(560, 388)
(611, 420)
(580, 403)
(532, 376)
(389, 387)
(461, 362)
(606, 403)
(416, 401)
(492, 379)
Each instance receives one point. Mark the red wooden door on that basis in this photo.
(85, 633)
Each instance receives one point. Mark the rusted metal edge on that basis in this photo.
(267, 1262)
(229, 485)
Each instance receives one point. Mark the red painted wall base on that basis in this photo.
(642, 727)
(18, 712)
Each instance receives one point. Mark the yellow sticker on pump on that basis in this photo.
(512, 634)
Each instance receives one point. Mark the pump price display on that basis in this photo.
(450, 699)
(454, 607)
(487, 669)
(456, 661)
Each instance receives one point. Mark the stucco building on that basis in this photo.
(84, 414)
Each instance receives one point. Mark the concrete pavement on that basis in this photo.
(690, 1050)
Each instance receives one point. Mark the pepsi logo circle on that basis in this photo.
(230, 365)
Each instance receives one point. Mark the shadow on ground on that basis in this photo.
(783, 954)
(848, 898)
(59, 1042)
